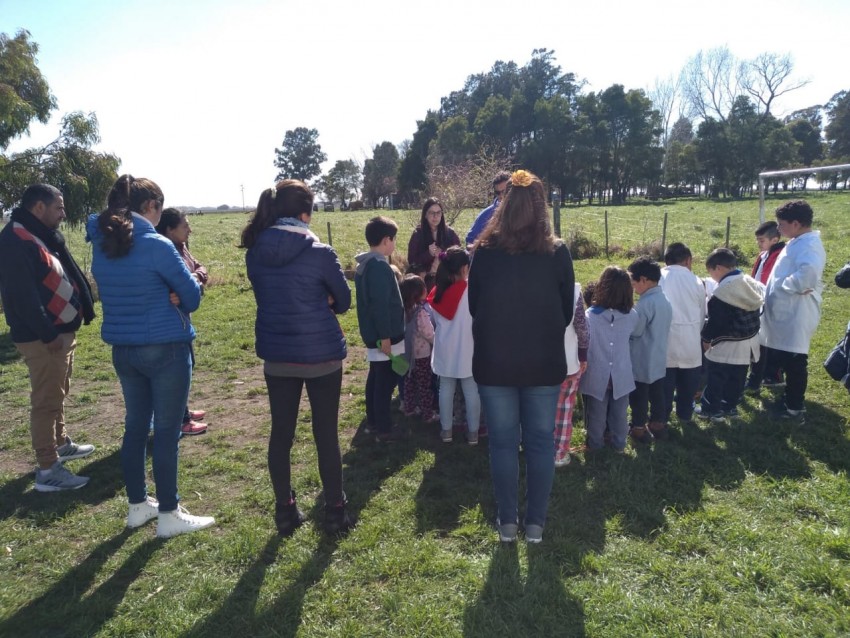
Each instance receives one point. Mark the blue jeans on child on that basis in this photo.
(155, 380)
(524, 414)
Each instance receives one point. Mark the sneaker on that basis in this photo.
(288, 517)
(141, 513)
(562, 462)
(472, 438)
(193, 428)
(795, 417)
(197, 415)
(534, 534)
(482, 432)
(58, 478)
(640, 435)
(180, 521)
(507, 532)
(446, 436)
(70, 450)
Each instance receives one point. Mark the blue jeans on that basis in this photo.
(155, 380)
(528, 415)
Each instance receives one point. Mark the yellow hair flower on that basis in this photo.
(521, 178)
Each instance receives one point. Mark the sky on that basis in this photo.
(196, 94)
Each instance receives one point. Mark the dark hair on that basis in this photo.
(424, 228)
(676, 254)
(645, 267)
(287, 198)
(379, 227)
(128, 194)
(614, 290)
(797, 210)
(587, 293)
(769, 229)
(413, 290)
(451, 263)
(721, 257)
(170, 219)
(502, 176)
(521, 222)
(39, 193)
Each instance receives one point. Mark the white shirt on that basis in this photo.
(686, 293)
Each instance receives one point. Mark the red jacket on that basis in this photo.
(769, 259)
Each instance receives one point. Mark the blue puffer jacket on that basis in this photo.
(293, 274)
(134, 289)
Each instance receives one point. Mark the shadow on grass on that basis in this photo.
(19, 498)
(68, 609)
(8, 352)
(537, 605)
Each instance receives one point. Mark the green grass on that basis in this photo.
(724, 530)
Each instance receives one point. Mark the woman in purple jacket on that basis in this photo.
(300, 288)
(431, 237)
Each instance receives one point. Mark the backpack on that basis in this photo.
(837, 362)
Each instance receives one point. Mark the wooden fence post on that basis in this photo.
(728, 227)
(606, 234)
(330, 239)
(664, 235)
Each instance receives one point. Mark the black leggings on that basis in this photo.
(284, 398)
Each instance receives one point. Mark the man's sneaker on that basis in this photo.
(197, 415)
(180, 521)
(446, 436)
(58, 478)
(193, 428)
(507, 532)
(534, 534)
(472, 438)
(141, 513)
(70, 450)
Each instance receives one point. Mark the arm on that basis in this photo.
(582, 330)
(379, 288)
(807, 276)
(21, 288)
(479, 224)
(195, 268)
(417, 253)
(336, 283)
(171, 267)
(568, 285)
(642, 321)
(424, 327)
(451, 238)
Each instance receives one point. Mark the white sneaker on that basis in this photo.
(180, 521)
(70, 450)
(141, 513)
(563, 461)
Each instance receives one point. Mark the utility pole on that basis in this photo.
(242, 188)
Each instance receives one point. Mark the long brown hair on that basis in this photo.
(614, 290)
(424, 228)
(521, 222)
(287, 198)
(128, 194)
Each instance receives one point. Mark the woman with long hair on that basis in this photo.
(140, 276)
(431, 237)
(521, 289)
(300, 287)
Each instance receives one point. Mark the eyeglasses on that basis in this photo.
(434, 213)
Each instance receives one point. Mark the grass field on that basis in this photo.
(724, 530)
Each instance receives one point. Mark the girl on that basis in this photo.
(419, 339)
(451, 357)
(576, 339)
(608, 380)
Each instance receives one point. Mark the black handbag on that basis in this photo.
(837, 363)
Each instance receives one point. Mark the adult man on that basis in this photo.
(500, 185)
(45, 299)
(792, 304)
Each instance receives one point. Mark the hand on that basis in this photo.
(55, 345)
(385, 345)
(434, 249)
(173, 298)
(706, 346)
(582, 366)
(330, 300)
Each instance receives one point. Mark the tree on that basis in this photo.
(710, 83)
(838, 129)
(380, 173)
(342, 181)
(24, 93)
(300, 156)
(69, 163)
(412, 173)
(763, 78)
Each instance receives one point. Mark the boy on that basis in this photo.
(686, 293)
(380, 313)
(770, 245)
(648, 347)
(730, 335)
(792, 305)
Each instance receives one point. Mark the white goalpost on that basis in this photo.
(793, 171)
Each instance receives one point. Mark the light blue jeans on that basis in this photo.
(524, 414)
(155, 380)
(470, 397)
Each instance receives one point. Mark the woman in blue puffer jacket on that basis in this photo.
(300, 288)
(137, 270)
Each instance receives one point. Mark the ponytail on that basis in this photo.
(116, 222)
(451, 263)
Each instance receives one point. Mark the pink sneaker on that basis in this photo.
(193, 428)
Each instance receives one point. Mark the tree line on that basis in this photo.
(710, 131)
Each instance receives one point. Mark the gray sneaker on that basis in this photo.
(58, 478)
(71, 450)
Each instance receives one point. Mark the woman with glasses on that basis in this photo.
(431, 237)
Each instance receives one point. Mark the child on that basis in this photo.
(451, 357)
(576, 341)
(686, 293)
(648, 349)
(608, 380)
(380, 313)
(730, 335)
(418, 341)
(768, 240)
